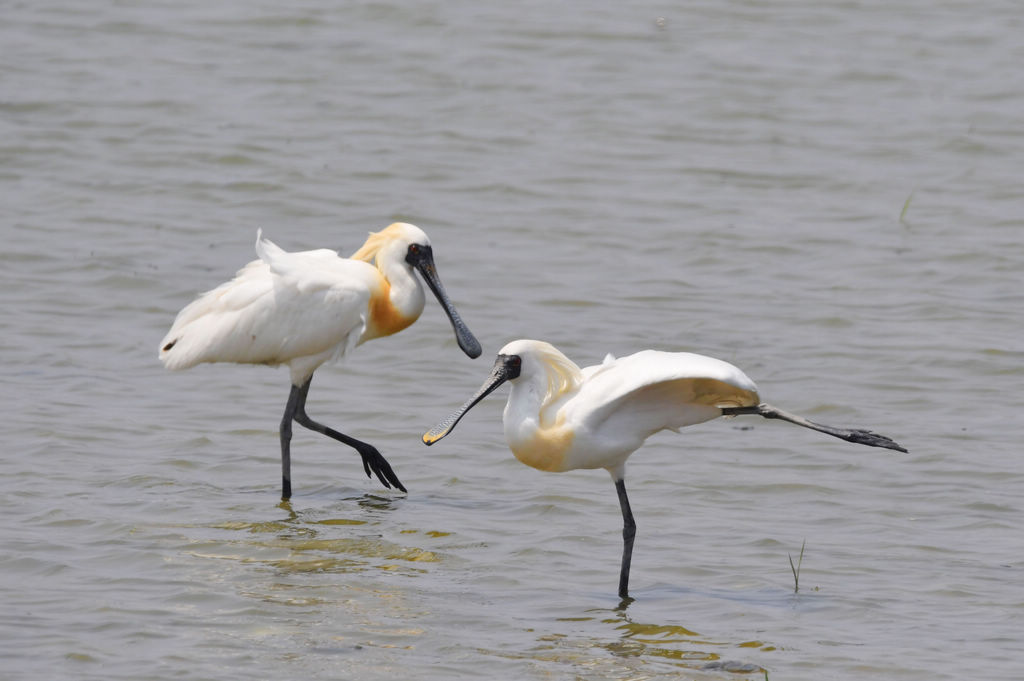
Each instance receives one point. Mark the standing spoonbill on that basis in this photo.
(560, 417)
(306, 308)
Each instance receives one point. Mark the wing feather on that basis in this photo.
(651, 390)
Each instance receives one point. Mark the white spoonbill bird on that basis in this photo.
(560, 417)
(306, 308)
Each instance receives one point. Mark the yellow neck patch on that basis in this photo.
(545, 449)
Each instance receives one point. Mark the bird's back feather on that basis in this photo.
(305, 307)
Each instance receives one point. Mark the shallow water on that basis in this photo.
(828, 197)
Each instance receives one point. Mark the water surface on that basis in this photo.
(826, 196)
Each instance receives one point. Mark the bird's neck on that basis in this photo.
(526, 399)
(396, 302)
(534, 427)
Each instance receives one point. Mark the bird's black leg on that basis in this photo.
(286, 439)
(628, 534)
(857, 435)
(373, 461)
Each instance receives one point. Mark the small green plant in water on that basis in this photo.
(906, 206)
(796, 568)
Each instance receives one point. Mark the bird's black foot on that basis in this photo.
(374, 463)
(872, 439)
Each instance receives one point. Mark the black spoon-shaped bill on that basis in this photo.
(422, 258)
(506, 367)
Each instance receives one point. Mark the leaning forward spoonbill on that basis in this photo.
(306, 308)
(560, 417)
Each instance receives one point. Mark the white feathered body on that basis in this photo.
(559, 417)
(301, 309)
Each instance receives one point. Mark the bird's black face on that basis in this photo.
(506, 368)
(421, 257)
(513, 366)
(417, 253)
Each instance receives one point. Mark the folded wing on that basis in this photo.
(281, 307)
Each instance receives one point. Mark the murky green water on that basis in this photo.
(827, 196)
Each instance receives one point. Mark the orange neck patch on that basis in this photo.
(385, 318)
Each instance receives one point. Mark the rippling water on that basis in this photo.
(827, 196)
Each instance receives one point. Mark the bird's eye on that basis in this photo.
(415, 255)
(513, 366)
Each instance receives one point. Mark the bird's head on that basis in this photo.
(409, 246)
(518, 360)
